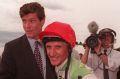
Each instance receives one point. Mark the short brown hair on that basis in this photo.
(32, 7)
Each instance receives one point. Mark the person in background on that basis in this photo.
(59, 39)
(105, 61)
(24, 58)
(79, 50)
(118, 73)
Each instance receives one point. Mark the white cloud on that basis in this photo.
(76, 12)
(53, 4)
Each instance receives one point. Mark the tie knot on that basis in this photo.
(37, 43)
(105, 50)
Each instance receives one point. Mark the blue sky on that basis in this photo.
(78, 13)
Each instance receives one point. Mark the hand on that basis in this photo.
(98, 48)
(86, 47)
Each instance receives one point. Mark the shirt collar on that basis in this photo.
(32, 42)
(108, 50)
(62, 66)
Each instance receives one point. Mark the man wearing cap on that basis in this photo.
(105, 61)
(59, 40)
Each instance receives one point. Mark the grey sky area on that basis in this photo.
(78, 13)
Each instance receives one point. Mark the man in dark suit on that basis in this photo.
(18, 59)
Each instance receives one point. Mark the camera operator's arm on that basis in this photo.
(84, 57)
(103, 57)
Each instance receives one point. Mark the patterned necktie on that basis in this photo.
(106, 74)
(38, 57)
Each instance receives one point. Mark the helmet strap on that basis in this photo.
(68, 62)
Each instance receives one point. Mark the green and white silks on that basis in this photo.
(76, 69)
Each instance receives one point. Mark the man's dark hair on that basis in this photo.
(32, 7)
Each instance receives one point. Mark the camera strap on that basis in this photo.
(100, 62)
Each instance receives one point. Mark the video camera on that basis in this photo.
(92, 40)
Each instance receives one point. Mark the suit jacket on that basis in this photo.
(118, 74)
(18, 62)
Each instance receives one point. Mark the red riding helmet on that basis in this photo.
(61, 30)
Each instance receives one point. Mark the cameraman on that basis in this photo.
(105, 61)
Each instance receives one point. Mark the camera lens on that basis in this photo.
(92, 41)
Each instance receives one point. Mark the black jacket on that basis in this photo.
(18, 62)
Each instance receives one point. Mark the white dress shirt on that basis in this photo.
(113, 63)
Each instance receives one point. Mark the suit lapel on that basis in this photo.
(28, 53)
(28, 50)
